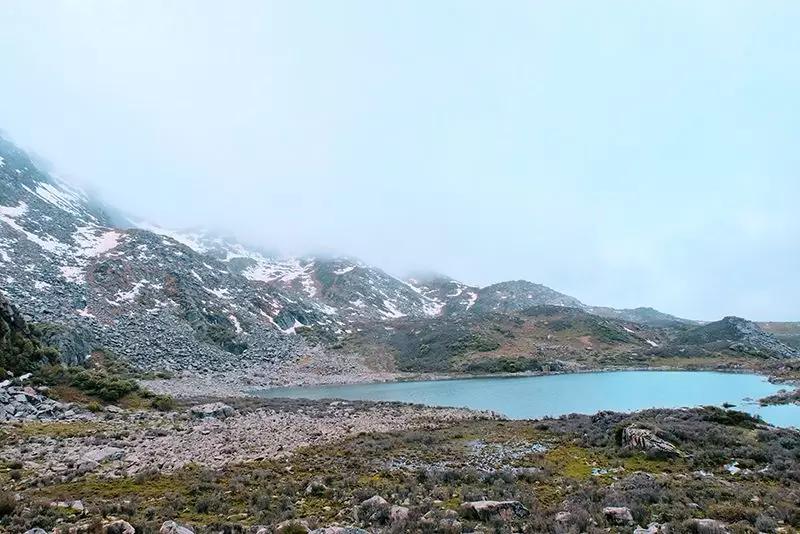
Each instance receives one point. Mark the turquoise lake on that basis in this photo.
(532, 397)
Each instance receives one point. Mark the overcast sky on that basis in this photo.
(627, 153)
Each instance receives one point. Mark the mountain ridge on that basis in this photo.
(198, 301)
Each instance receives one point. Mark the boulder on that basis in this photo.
(292, 526)
(398, 514)
(339, 530)
(646, 440)
(171, 527)
(488, 510)
(652, 528)
(103, 455)
(118, 527)
(707, 526)
(373, 510)
(618, 515)
(316, 487)
(218, 410)
(563, 517)
(36, 531)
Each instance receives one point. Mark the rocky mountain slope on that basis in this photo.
(737, 334)
(195, 301)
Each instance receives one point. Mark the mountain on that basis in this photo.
(646, 316)
(737, 335)
(541, 337)
(196, 301)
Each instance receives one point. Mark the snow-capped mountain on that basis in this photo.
(167, 299)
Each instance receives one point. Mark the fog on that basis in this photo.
(627, 153)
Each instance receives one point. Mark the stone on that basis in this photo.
(646, 440)
(218, 410)
(563, 517)
(487, 510)
(398, 514)
(316, 487)
(618, 515)
(118, 527)
(104, 454)
(373, 510)
(171, 527)
(708, 526)
(339, 530)
(652, 528)
(293, 526)
(36, 531)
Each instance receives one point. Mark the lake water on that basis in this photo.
(533, 397)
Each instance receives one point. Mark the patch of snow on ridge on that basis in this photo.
(129, 296)
(9, 214)
(235, 320)
(61, 198)
(392, 311)
(2, 162)
(190, 240)
(72, 274)
(293, 329)
(344, 271)
(473, 297)
(91, 244)
(651, 343)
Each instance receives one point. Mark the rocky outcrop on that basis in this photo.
(646, 440)
(25, 403)
(618, 515)
(489, 510)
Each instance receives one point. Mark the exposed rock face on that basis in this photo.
(74, 342)
(618, 515)
(488, 510)
(646, 440)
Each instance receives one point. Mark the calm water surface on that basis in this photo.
(554, 395)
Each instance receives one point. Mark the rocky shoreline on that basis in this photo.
(243, 382)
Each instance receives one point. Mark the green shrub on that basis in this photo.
(8, 503)
(163, 403)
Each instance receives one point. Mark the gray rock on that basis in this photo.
(487, 510)
(398, 514)
(36, 531)
(646, 440)
(618, 515)
(292, 525)
(118, 527)
(218, 410)
(171, 527)
(339, 530)
(652, 528)
(104, 454)
(708, 526)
